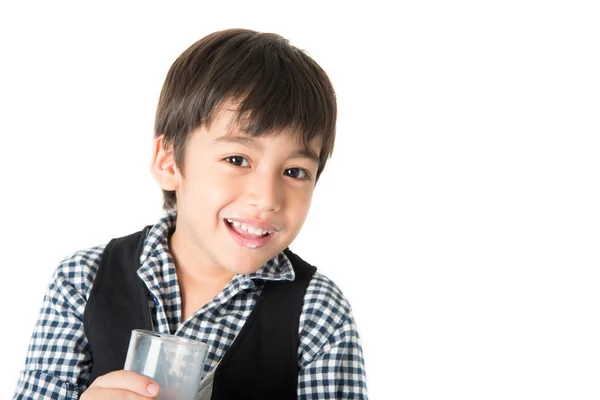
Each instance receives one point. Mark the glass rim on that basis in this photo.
(167, 337)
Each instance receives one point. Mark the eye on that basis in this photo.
(238, 161)
(297, 173)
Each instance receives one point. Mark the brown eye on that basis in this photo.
(238, 161)
(296, 173)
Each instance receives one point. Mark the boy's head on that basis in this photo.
(244, 127)
(277, 87)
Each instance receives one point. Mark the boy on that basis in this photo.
(244, 126)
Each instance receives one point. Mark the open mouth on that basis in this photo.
(245, 231)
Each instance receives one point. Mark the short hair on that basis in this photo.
(275, 85)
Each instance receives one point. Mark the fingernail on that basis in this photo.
(152, 388)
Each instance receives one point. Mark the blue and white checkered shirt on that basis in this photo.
(58, 360)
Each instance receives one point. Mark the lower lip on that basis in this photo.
(252, 243)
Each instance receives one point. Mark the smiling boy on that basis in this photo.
(244, 127)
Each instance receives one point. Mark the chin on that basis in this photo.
(245, 269)
(245, 265)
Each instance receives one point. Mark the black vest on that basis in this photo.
(261, 363)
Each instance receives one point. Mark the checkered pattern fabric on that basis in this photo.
(58, 360)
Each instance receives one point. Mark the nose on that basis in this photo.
(264, 191)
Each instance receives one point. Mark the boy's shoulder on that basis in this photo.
(323, 294)
(78, 270)
(326, 318)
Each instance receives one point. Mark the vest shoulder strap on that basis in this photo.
(118, 303)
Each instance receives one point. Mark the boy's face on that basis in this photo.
(241, 199)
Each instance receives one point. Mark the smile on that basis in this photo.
(248, 236)
(249, 229)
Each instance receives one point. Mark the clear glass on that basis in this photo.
(175, 363)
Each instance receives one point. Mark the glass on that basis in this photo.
(175, 363)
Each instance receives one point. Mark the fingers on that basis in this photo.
(127, 380)
(96, 392)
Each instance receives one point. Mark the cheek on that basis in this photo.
(208, 192)
(299, 205)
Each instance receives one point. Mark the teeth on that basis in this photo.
(254, 231)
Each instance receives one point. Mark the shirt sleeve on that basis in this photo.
(330, 355)
(58, 359)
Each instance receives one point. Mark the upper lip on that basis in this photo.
(254, 223)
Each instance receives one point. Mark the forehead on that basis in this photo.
(228, 126)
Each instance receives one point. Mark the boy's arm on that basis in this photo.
(331, 358)
(58, 359)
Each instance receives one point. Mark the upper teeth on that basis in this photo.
(249, 229)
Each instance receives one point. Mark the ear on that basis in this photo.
(163, 167)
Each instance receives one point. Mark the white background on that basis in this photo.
(459, 213)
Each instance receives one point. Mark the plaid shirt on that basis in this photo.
(58, 360)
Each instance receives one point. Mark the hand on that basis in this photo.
(121, 385)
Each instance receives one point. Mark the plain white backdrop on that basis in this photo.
(459, 213)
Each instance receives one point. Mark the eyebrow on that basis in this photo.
(236, 139)
(249, 142)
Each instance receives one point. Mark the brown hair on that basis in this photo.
(276, 86)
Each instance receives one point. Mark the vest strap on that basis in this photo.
(118, 304)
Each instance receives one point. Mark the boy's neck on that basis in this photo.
(189, 266)
(198, 283)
